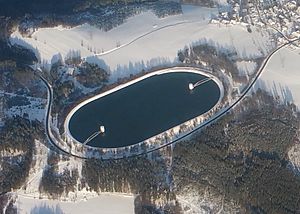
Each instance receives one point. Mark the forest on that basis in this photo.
(18, 8)
(91, 75)
(243, 158)
(16, 53)
(16, 151)
(35, 14)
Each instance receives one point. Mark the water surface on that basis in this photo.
(144, 109)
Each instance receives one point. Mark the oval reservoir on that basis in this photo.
(143, 109)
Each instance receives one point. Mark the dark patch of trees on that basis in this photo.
(16, 53)
(204, 3)
(18, 8)
(140, 207)
(65, 91)
(62, 92)
(19, 80)
(43, 13)
(73, 58)
(216, 58)
(17, 101)
(55, 184)
(135, 175)
(7, 203)
(91, 75)
(18, 136)
(243, 157)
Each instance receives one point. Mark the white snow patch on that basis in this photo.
(246, 67)
(10, 153)
(281, 76)
(106, 203)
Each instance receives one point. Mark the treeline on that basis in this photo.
(20, 8)
(91, 75)
(65, 90)
(141, 176)
(16, 149)
(214, 57)
(243, 158)
(96, 14)
(19, 80)
(136, 175)
(55, 183)
(16, 53)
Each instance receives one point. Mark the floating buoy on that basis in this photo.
(191, 86)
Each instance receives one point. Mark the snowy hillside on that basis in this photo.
(282, 75)
(144, 40)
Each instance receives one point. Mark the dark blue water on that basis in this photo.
(144, 109)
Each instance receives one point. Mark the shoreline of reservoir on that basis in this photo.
(193, 70)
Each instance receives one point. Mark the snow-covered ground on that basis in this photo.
(282, 75)
(87, 39)
(144, 40)
(247, 67)
(34, 111)
(106, 204)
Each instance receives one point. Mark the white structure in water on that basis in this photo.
(102, 129)
(191, 86)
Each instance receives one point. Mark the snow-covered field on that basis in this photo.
(144, 40)
(106, 204)
(282, 75)
(88, 39)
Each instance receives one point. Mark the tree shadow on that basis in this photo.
(136, 67)
(279, 92)
(46, 209)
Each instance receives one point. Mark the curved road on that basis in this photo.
(142, 36)
(50, 98)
